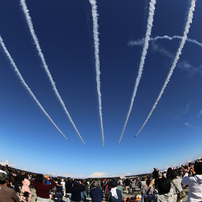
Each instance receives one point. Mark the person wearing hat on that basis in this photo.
(6, 194)
(96, 193)
(115, 194)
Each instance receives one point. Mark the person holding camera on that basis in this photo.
(194, 182)
(76, 189)
(164, 192)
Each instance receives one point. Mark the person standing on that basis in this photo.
(164, 193)
(176, 185)
(68, 190)
(96, 193)
(76, 189)
(25, 191)
(194, 182)
(42, 190)
(115, 194)
(120, 187)
(127, 184)
(63, 187)
(59, 190)
(6, 194)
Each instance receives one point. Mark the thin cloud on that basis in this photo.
(36, 41)
(200, 113)
(97, 61)
(142, 61)
(188, 125)
(184, 112)
(25, 84)
(162, 50)
(186, 31)
(183, 65)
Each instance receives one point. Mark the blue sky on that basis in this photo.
(172, 135)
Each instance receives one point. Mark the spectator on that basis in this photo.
(127, 184)
(68, 190)
(42, 190)
(115, 194)
(133, 184)
(144, 189)
(63, 186)
(176, 185)
(59, 191)
(194, 182)
(21, 177)
(168, 172)
(155, 173)
(120, 187)
(142, 184)
(83, 193)
(86, 185)
(76, 189)
(25, 191)
(96, 193)
(6, 194)
(164, 193)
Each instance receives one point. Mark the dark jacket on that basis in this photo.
(76, 192)
(112, 199)
(96, 194)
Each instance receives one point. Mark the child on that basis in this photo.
(25, 191)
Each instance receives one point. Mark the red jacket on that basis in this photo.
(42, 190)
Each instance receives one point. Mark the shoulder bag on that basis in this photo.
(181, 194)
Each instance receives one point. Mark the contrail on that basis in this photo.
(26, 86)
(36, 41)
(184, 38)
(142, 61)
(140, 42)
(97, 60)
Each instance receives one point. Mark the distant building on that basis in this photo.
(4, 163)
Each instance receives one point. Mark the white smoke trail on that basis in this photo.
(26, 86)
(140, 42)
(36, 41)
(142, 61)
(97, 60)
(184, 38)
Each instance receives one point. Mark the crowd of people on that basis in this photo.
(167, 186)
